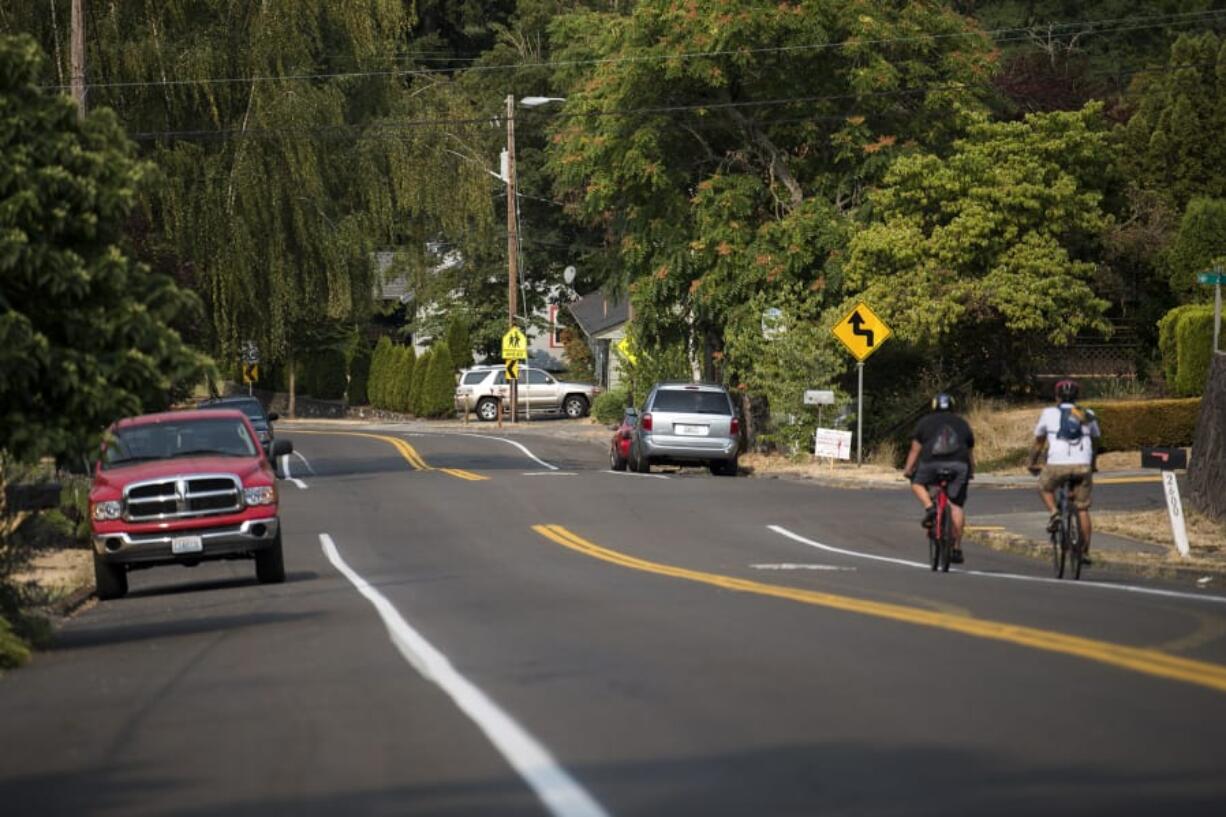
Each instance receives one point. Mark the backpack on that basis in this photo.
(1072, 420)
(946, 443)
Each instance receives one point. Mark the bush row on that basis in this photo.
(1185, 341)
(400, 381)
(1127, 426)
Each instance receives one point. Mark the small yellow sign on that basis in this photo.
(623, 348)
(512, 370)
(514, 345)
(251, 372)
(861, 331)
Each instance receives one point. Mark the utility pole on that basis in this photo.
(77, 58)
(512, 241)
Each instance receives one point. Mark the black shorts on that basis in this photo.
(928, 474)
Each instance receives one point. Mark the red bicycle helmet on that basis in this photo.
(1067, 391)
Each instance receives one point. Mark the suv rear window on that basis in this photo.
(692, 402)
(473, 378)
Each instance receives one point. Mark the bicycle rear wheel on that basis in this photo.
(1058, 552)
(1073, 524)
(934, 550)
(947, 539)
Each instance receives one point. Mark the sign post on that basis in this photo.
(1169, 460)
(514, 349)
(862, 332)
(1216, 278)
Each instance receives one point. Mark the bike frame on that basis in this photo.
(937, 533)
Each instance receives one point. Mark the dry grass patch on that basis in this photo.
(774, 464)
(59, 573)
(1206, 537)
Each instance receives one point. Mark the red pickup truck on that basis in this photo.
(181, 488)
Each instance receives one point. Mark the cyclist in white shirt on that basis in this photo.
(1068, 431)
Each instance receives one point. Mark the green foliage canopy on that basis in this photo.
(84, 330)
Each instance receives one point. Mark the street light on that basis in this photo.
(512, 221)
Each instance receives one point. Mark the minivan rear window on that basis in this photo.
(692, 402)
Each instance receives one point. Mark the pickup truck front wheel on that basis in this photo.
(110, 580)
(575, 406)
(270, 563)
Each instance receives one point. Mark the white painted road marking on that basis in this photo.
(632, 474)
(791, 566)
(288, 475)
(549, 473)
(310, 467)
(1126, 588)
(518, 445)
(559, 792)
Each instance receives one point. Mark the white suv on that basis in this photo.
(482, 387)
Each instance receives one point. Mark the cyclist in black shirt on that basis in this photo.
(942, 441)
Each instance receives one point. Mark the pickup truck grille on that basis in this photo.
(184, 497)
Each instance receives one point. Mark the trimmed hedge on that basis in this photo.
(1181, 342)
(1129, 425)
(417, 384)
(438, 395)
(404, 362)
(359, 373)
(376, 386)
(609, 406)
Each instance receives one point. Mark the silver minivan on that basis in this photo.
(687, 423)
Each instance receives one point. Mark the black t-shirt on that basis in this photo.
(944, 435)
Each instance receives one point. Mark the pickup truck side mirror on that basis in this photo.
(280, 448)
(273, 417)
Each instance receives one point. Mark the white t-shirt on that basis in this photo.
(1066, 452)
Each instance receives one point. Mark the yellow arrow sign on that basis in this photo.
(514, 345)
(623, 346)
(861, 331)
(251, 372)
(512, 370)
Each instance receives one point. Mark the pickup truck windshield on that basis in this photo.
(159, 441)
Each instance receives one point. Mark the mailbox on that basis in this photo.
(1164, 459)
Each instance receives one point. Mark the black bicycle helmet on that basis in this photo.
(942, 402)
(1067, 391)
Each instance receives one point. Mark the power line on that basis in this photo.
(1012, 34)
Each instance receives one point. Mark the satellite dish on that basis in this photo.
(568, 275)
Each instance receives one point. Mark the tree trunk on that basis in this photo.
(1207, 471)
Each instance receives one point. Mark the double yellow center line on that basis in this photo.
(407, 451)
(1136, 659)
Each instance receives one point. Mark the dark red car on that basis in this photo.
(619, 449)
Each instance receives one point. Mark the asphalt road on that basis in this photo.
(474, 628)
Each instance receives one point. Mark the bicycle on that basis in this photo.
(941, 534)
(1066, 539)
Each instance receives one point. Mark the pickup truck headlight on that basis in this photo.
(260, 495)
(107, 511)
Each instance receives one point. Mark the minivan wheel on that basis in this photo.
(575, 406)
(725, 468)
(110, 580)
(270, 563)
(487, 409)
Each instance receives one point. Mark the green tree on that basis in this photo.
(459, 342)
(376, 388)
(438, 387)
(85, 333)
(987, 256)
(1171, 144)
(1199, 245)
(737, 171)
(406, 365)
(416, 403)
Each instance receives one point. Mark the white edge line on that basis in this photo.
(288, 475)
(549, 473)
(515, 443)
(561, 794)
(633, 474)
(306, 462)
(1127, 588)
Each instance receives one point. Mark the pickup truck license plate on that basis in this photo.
(186, 544)
(691, 430)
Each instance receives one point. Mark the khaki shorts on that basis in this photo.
(1079, 477)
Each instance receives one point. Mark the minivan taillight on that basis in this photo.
(645, 422)
(736, 426)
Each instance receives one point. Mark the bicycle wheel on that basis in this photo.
(934, 550)
(1058, 551)
(947, 539)
(1073, 524)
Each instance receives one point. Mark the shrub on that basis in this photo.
(438, 395)
(322, 374)
(1194, 345)
(460, 343)
(1168, 337)
(1130, 425)
(376, 388)
(415, 403)
(406, 366)
(609, 405)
